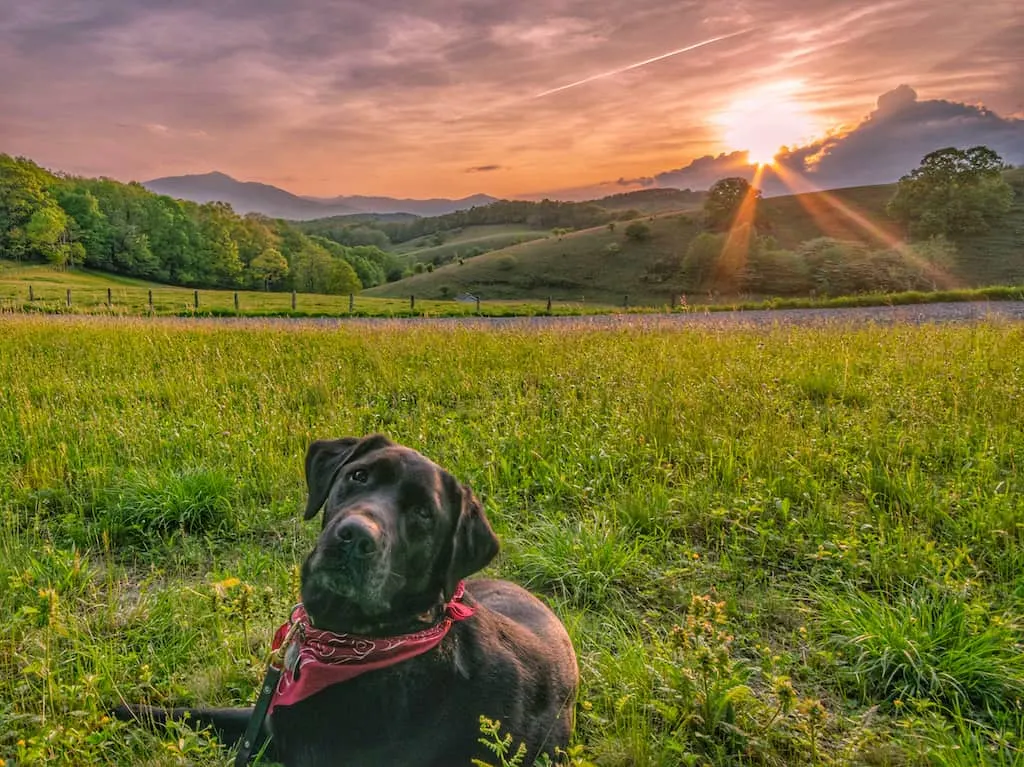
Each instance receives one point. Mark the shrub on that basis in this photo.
(776, 273)
(507, 263)
(700, 259)
(638, 231)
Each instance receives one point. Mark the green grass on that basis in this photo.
(771, 547)
(129, 296)
(601, 265)
(467, 243)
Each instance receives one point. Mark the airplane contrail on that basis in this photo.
(638, 64)
(592, 78)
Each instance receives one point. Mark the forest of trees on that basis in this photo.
(126, 229)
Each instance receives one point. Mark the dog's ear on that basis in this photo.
(475, 543)
(322, 461)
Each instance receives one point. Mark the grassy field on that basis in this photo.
(603, 265)
(49, 288)
(771, 547)
(468, 242)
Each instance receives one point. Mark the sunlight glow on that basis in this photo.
(763, 121)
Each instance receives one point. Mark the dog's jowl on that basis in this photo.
(394, 653)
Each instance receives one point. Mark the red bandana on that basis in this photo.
(317, 659)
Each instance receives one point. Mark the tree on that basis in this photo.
(46, 234)
(701, 256)
(952, 192)
(268, 267)
(638, 231)
(23, 192)
(724, 200)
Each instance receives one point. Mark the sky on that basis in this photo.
(514, 98)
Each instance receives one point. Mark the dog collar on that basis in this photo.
(310, 659)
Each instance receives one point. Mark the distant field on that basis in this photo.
(467, 243)
(49, 289)
(772, 547)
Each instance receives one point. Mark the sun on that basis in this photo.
(764, 121)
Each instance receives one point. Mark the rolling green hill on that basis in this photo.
(468, 242)
(604, 265)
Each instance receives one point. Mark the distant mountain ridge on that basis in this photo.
(255, 197)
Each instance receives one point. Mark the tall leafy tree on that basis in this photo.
(952, 192)
(724, 200)
(23, 192)
(47, 234)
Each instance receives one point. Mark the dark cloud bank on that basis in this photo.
(887, 144)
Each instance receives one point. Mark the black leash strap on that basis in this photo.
(259, 713)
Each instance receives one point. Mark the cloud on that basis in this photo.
(641, 181)
(888, 143)
(401, 96)
(704, 171)
(483, 168)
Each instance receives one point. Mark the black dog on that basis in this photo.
(399, 534)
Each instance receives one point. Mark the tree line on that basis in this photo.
(546, 214)
(126, 229)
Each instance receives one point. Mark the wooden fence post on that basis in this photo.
(31, 294)
(625, 301)
(69, 296)
(412, 303)
(549, 304)
(351, 302)
(236, 302)
(151, 299)
(110, 298)
(195, 298)
(293, 300)
(478, 304)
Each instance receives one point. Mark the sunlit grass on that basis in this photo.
(815, 496)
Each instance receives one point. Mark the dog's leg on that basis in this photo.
(229, 724)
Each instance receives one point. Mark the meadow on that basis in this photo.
(772, 546)
(44, 289)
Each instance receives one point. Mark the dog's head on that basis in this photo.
(398, 534)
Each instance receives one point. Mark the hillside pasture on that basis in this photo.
(466, 243)
(129, 296)
(604, 264)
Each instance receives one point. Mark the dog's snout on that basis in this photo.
(359, 535)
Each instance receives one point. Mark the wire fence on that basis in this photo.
(56, 298)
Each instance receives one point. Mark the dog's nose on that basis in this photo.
(358, 535)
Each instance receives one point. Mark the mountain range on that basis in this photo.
(254, 197)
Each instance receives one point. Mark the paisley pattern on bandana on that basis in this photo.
(317, 659)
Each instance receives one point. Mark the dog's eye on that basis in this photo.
(359, 475)
(424, 512)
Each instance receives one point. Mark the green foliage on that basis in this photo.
(927, 644)
(724, 200)
(953, 192)
(269, 267)
(145, 510)
(23, 192)
(638, 231)
(700, 259)
(123, 228)
(45, 234)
